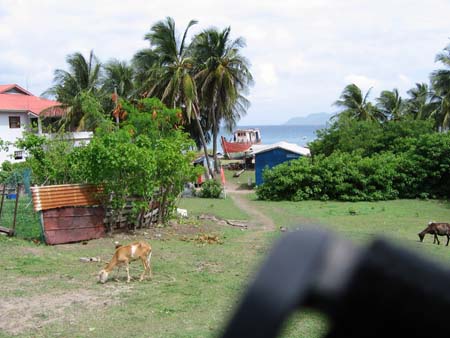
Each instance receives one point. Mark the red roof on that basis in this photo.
(8, 87)
(22, 100)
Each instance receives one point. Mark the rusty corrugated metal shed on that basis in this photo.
(69, 212)
(68, 224)
(64, 195)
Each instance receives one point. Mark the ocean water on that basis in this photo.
(300, 135)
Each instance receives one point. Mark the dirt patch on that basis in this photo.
(208, 267)
(205, 239)
(19, 315)
(174, 230)
(258, 219)
(34, 251)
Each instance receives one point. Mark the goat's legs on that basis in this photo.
(448, 239)
(117, 273)
(436, 239)
(144, 264)
(128, 272)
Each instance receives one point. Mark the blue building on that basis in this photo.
(269, 156)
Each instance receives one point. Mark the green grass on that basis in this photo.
(27, 221)
(223, 208)
(195, 286)
(399, 220)
(243, 180)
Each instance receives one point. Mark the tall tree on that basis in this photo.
(223, 77)
(171, 77)
(73, 87)
(145, 62)
(390, 104)
(118, 81)
(418, 104)
(118, 75)
(440, 80)
(355, 105)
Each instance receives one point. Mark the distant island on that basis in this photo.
(316, 119)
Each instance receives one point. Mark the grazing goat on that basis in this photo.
(124, 255)
(434, 228)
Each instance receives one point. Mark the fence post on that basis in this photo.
(15, 210)
(1, 203)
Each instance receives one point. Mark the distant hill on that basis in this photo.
(319, 119)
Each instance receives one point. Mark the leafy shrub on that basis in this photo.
(421, 169)
(369, 137)
(211, 189)
(148, 159)
(341, 176)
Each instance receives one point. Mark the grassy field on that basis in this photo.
(223, 208)
(27, 221)
(398, 220)
(48, 292)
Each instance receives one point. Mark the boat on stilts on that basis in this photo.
(241, 142)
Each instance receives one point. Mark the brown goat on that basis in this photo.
(434, 228)
(124, 254)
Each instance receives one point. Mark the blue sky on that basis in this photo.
(303, 53)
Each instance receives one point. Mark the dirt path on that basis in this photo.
(258, 220)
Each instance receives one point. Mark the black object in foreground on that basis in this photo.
(378, 291)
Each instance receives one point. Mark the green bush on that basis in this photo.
(148, 159)
(366, 161)
(369, 137)
(211, 189)
(340, 176)
(421, 169)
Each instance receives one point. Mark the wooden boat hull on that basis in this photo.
(235, 150)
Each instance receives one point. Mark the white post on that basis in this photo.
(39, 126)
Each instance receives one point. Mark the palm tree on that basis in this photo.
(390, 104)
(144, 62)
(118, 81)
(440, 80)
(74, 86)
(118, 75)
(356, 106)
(171, 77)
(418, 103)
(222, 76)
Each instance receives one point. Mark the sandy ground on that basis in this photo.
(258, 218)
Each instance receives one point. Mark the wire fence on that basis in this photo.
(16, 211)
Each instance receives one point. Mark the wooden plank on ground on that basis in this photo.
(7, 231)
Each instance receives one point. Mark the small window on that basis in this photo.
(14, 122)
(18, 155)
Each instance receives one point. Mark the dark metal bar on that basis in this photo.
(15, 210)
(1, 203)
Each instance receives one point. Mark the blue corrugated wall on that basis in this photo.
(270, 159)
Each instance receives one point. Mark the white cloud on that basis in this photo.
(267, 74)
(405, 81)
(364, 82)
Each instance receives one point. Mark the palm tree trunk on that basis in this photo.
(216, 163)
(215, 132)
(203, 140)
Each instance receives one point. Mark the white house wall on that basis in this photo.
(11, 134)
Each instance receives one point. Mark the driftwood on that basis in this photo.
(235, 223)
(238, 173)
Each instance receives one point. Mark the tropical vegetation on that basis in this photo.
(387, 149)
(206, 77)
(147, 160)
